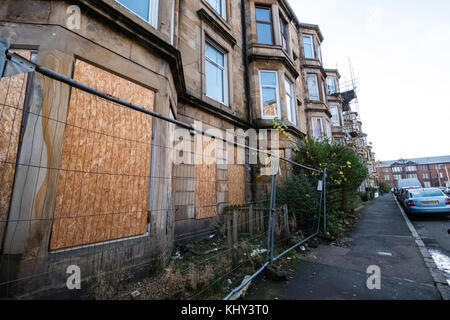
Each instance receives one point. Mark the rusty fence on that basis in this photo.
(107, 198)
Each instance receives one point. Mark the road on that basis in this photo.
(381, 238)
(434, 233)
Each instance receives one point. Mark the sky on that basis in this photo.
(400, 53)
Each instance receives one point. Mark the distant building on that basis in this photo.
(431, 172)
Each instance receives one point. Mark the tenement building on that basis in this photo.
(93, 173)
(431, 172)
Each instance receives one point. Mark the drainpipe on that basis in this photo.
(245, 61)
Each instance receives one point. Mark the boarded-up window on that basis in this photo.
(12, 97)
(205, 179)
(103, 182)
(236, 182)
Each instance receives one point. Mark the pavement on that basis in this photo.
(382, 238)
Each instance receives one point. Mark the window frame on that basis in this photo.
(332, 107)
(328, 85)
(321, 126)
(277, 94)
(312, 46)
(290, 96)
(270, 23)
(225, 88)
(317, 86)
(153, 15)
(223, 6)
(285, 35)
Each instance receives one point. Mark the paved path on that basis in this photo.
(381, 238)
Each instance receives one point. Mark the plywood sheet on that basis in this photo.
(206, 180)
(103, 182)
(12, 97)
(236, 181)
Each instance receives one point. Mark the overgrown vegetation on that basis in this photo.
(345, 173)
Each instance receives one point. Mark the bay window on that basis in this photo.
(284, 34)
(331, 84)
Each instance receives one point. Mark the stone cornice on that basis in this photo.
(206, 17)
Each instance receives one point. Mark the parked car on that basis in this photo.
(425, 201)
(445, 190)
(403, 194)
(404, 184)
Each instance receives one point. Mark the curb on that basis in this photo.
(438, 277)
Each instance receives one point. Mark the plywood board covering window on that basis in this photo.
(103, 182)
(205, 179)
(12, 97)
(236, 180)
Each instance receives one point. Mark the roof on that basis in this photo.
(428, 160)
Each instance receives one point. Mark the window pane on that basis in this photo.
(331, 85)
(335, 116)
(214, 55)
(268, 78)
(309, 47)
(269, 96)
(263, 14)
(214, 82)
(290, 101)
(264, 33)
(317, 127)
(313, 88)
(141, 8)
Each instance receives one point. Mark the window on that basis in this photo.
(411, 168)
(308, 44)
(317, 127)
(264, 25)
(441, 175)
(313, 88)
(319, 53)
(397, 177)
(397, 169)
(215, 74)
(329, 129)
(219, 6)
(427, 184)
(425, 176)
(425, 167)
(387, 178)
(386, 169)
(290, 101)
(331, 85)
(146, 9)
(439, 166)
(284, 34)
(323, 90)
(269, 94)
(335, 116)
(412, 176)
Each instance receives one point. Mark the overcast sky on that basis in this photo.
(400, 52)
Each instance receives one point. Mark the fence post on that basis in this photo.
(325, 201)
(271, 220)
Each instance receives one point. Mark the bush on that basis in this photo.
(345, 173)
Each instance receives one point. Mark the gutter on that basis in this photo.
(246, 62)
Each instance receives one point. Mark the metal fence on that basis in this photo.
(103, 197)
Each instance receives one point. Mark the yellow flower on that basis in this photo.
(349, 163)
(341, 172)
(308, 196)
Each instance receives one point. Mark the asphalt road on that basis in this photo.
(434, 232)
(382, 238)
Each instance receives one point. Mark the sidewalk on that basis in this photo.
(381, 238)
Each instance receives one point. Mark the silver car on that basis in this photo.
(429, 200)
